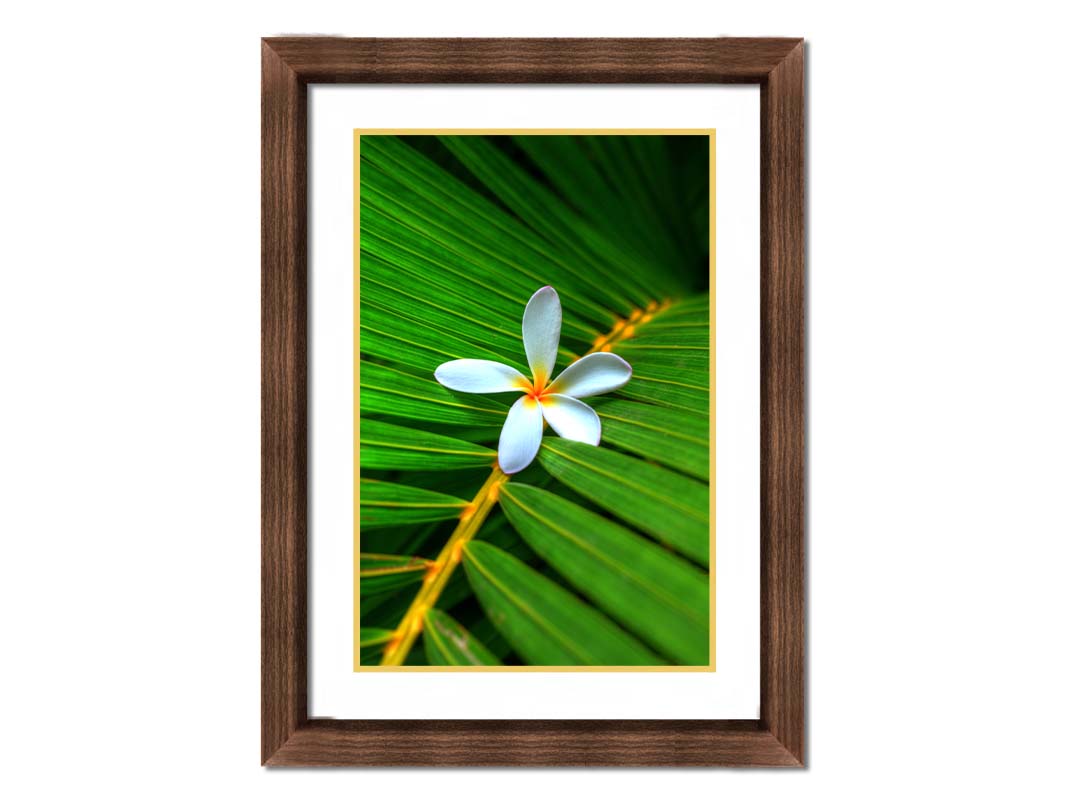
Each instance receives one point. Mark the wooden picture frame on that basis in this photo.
(289, 737)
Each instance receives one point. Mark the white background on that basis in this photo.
(732, 691)
(129, 438)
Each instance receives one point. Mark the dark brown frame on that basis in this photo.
(288, 736)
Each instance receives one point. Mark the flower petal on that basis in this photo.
(540, 333)
(595, 373)
(571, 419)
(479, 376)
(521, 435)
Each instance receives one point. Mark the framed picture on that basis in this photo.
(533, 390)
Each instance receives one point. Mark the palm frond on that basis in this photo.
(597, 556)
(449, 644)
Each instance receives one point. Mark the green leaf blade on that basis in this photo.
(381, 572)
(675, 438)
(372, 642)
(544, 623)
(420, 306)
(660, 597)
(388, 335)
(664, 504)
(536, 206)
(383, 504)
(492, 249)
(383, 446)
(390, 392)
(665, 394)
(449, 644)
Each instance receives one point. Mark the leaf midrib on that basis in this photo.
(394, 446)
(377, 572)
(389, 504)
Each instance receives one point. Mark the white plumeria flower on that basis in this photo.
(556, 402)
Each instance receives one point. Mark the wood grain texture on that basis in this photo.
(782, 402)
(289, 738)
(284, 404)
(341, 60)
(531, 743)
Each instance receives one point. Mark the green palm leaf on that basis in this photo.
(598, 555)
(671, 364)
(545, 623)
(379, 572)
(386, 446)
(449, 644)
(540, 209)
(393, 392)
(658, 596)
(674, 438)
(384, 504)
(664, 504)
(391, 337)
(372, 641)
(488, 243)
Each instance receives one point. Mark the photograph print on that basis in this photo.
(535, 407)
